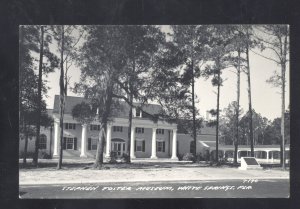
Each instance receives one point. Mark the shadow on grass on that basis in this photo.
(119, 165)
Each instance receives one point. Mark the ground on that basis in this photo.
(46, 181)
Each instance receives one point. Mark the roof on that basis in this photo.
(123, 111)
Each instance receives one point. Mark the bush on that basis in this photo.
(188, 157)
(125, 158)
(113, 157)
(44, 155)
(199, 157)
(180, 156)
(28, 155)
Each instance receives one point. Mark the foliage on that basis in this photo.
(188, 157)
(125, 158)
(113, 157)
(227, 123)
(83, 113)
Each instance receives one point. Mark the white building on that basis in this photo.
(149, 139)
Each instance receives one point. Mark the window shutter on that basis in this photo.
(64, 145)
(89, 143)
(143, 146)
(163, 146)
(74, 126)
(75, 143)
(66, 126)
(135, 145)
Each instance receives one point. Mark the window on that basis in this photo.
(43, 142)
(160, 146)
(138, 112)
(70, 126)
(160, 131)
(70, 143)
(139, 130)
(92, 144)
(243, 154)
(260, 154)
(140, 145)
(117, 129)
(95, 127)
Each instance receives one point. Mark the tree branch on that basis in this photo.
(265, 57)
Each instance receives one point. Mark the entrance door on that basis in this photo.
(118, 148)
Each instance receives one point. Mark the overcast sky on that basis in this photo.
(266, 99)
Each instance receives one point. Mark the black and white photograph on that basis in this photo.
(154, 111)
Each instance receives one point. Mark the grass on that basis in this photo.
(52, 165)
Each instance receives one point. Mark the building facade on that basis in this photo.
(149, 139)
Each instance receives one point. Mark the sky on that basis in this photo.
(266, 99)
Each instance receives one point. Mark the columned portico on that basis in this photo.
(108, 140)
(56, 138)
(174, 145)
(132, 137)
(153, 151)
(83, 141)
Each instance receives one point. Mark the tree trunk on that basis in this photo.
(283, 70)
(236, 143)
(218, 113)
(108, 101)
(62, 99)
(130, 110)
(26, 145)
(50, 144)
(250, 102)
(129, 127)
(99, 154)
(283, 114)
(194, 113)
(38, 124)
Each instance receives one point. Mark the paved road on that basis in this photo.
(272, 188)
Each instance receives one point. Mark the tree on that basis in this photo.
(67, 50)
(190, 46)
(102, 61)
(276, 39)
(140, 45)
(83, 113)
(228, 123)
(32, 106)
(220, 47)
(260, 125)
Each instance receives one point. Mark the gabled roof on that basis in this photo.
(122, 111)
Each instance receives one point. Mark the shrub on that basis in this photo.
(28, 155)
(199, 157)
(180, 156)
(188, 157)
(125, 158)
(44, 155)
(113, 157)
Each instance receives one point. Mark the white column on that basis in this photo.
(108, 140)
(132, 145)
(174, 145)
(83, 141)
(56, 138)
(153, 152)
